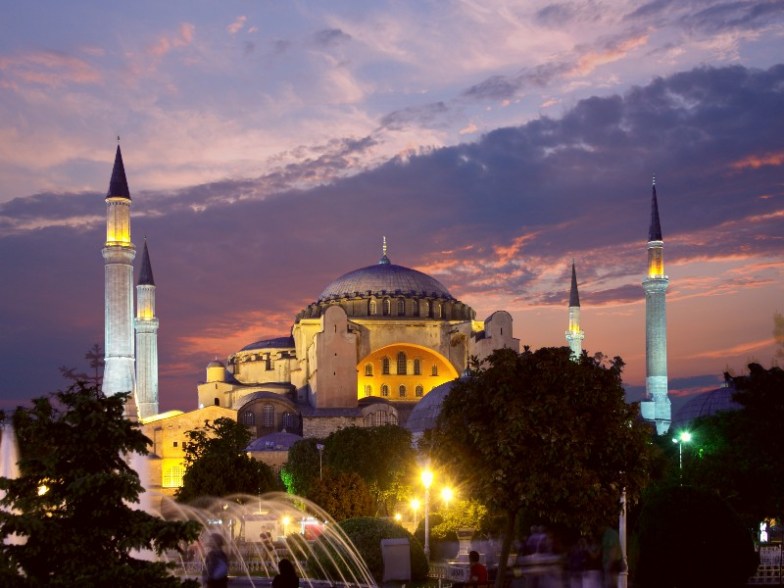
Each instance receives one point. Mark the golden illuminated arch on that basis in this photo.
(424, 370)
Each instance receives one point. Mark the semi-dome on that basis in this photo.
(387, 278)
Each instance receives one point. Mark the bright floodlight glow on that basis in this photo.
(398, 517)
(427, 478)
(446, 495)
(415, 504)
(685, 437)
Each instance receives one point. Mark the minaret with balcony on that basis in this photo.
(146, 325)
(118, 254)
(657, 407)
(574, 334)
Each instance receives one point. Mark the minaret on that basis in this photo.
(118, 254)
(146, 340)
(574, 335)
(657, 408)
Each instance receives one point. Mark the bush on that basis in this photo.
(366, 534)
(691, 537)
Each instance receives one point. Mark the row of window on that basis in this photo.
(248, 418)
(402, 367)
(402, 391)
(431, 310)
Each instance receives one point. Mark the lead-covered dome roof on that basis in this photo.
(385, 278)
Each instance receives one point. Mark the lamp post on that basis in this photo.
(427, 480)
(684, 437)
(320, 448)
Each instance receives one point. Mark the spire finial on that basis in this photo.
(118, 139)
(384, 259)
(574, 295)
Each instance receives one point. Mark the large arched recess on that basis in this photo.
(370, 380)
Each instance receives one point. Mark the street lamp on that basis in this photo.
(415, 504)
(446, 495)
(320, 448)
(684, 437)
(427, 480)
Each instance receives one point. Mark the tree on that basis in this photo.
(344, 495)
(383, 456)
(73, 500)
(691, 537)
(539, 433)
(301, 471)
(216, 463)
(738, 452)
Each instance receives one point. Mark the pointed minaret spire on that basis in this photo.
(146, 325)
(118, 185)
(574, 334)
(655, 232)
(145, 273)
(384, 259)
(657, 407)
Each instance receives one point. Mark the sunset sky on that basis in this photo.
(270, 145)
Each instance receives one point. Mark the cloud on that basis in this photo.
(414, 116)
(48, 68)
(758, 161)
(330, 37)
(497, 221)
(236, 26)
(168, 42)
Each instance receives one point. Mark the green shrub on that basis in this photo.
(366, 534)
(691, 537)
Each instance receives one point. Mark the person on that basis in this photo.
(477, 574)
(287, 576)
(612, 558)
(216, 568)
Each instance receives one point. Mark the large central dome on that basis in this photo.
(387, 278)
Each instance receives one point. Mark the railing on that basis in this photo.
(770, 569)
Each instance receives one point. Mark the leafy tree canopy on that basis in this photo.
(216, 463)
(301, 471)
(344, 495)
(737, 453)
(541, 433)
(73, 501)
(382, 456)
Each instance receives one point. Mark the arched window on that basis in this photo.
(419, 392)
(417, 367)
(217, 401)
(387, 307)
(368, 390)
(368, 369)
(268, 416)
(438, 311)
(401, 307)
(401, 364)
(248, 418)
(290, 422)
(384, 390)
(416, 307)
(385, 366)
(435, 370)
(172, 476)
(372, 310)
(428, 309)
(402, 391)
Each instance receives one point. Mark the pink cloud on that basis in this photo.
(237, 25)
(49, 68)
(168, 42)
(758, 161)
(590, 61)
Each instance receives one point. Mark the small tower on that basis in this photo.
(574, 334)
(146, 340)
(657, 406)
(118, 254)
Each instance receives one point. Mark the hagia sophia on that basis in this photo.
(379, 345)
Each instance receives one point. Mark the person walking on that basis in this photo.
(287, 575)
(216, 564)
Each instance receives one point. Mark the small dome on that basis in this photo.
(706, 404)
(215, 364)
(276, 343)
(387, 278)
(426, 411)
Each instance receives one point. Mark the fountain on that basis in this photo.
(9, 468)
(261, 530)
